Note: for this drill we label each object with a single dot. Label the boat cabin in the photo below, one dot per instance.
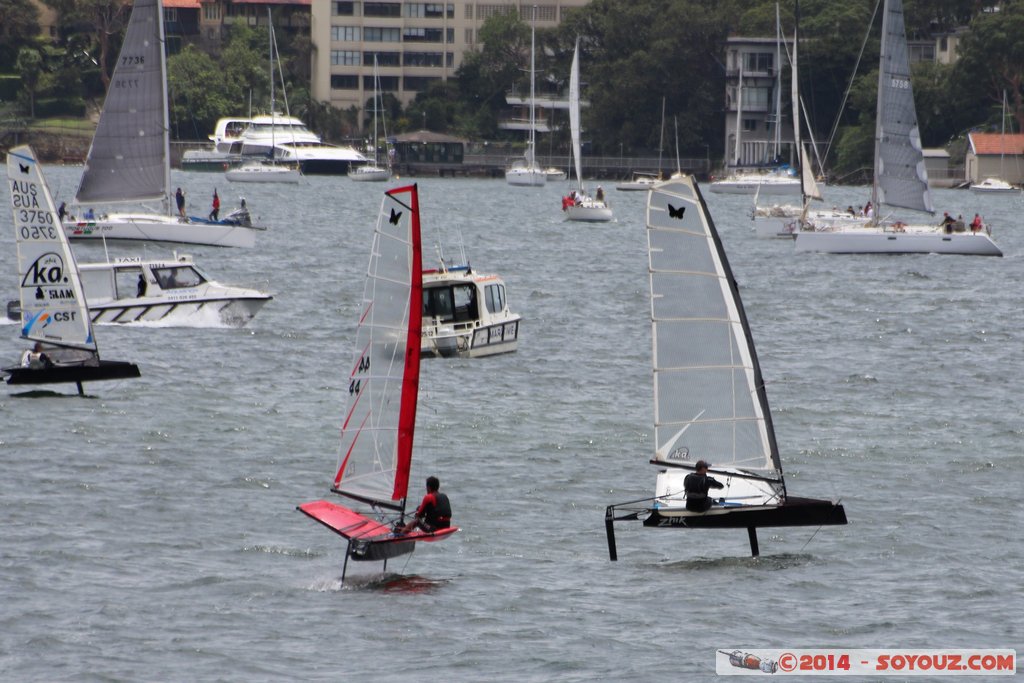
(466, 314)
(131, 278)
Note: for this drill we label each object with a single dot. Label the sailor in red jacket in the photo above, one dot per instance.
(435, 512)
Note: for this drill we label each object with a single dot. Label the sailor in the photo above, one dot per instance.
(696, 486)
(435, 512)
(36, 358)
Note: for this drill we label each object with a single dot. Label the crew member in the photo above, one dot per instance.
(696, 486)
(435, 512)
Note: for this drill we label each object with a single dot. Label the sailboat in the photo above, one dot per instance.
(55, 314)
(372, 172)
(579, 206)
(268, 170)
(643, 181)
(376, 451)
(710, 402)
(526, 171)
(997, 185)
(780, 180)
(900, 178)
(129, 159)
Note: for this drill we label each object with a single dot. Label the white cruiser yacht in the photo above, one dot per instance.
(172, 291)
(465, 314)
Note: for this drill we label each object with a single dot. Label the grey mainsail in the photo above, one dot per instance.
(128, 158)
(900, 175)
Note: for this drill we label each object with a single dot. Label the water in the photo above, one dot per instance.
(150, 530)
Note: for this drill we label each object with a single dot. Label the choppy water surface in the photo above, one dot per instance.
(150, 530)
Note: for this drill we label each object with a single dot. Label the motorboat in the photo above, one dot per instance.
(263, 172)
(173, 292)
(993, 186)
(640, 182)
(466, 314)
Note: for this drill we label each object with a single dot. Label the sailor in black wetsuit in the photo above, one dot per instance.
(696, 486)
(435, 512)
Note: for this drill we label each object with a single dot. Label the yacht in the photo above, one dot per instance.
(465, 314)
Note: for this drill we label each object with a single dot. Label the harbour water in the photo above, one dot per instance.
(150, 530)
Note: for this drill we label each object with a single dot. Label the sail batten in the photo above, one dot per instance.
(709, 396)
(132, 167)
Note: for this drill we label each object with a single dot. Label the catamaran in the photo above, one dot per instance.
(129, 159)
(710, 401)
(377, 431)
(900, 178)
(56, 317)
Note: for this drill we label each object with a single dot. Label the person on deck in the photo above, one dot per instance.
(976, 224)
(36, 358)
(215, 213)
(435, 512)
(62, 211)
(947, 222)
(696, 485)
(179, 198)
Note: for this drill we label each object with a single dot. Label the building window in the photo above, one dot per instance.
(760, 62)
(211, 12)
(469, 11)
(544, 13)
(488, 11)
(468, 39)
(943, 44)
(345, 58)
(419, 83)
(449, 34)
(383, 58)
(382, 35)
(429, 10)
(389, 83)
(422, 35)
(423, 59)
(344, 34)
(749, 125)
(756, 98)
(344, 9)
(343, 82)
(382, 9)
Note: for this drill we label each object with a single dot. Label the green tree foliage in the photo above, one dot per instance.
(198, 94)
(104, 20)
(19, 27)
(991, 61)
(30, 68)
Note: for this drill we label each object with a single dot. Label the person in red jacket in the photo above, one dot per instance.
(435, 512)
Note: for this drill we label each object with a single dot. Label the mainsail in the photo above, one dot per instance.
(574, 113)
(709, 398)
(900, 175)
(53, 304)
(128, 160)
(377, 432)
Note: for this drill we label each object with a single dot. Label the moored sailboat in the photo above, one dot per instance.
(376, 452)
(578, 205)
(55, 314)
(373, 171)
(526, 171)
(710, 402)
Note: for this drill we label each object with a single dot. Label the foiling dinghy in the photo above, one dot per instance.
(709, 398)
(377, 431)
(55, 313)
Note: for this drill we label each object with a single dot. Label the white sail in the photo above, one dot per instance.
(377, 431)
(574, 113)
(900, 175)
(129, 159)
(52, 301)
(709, 399)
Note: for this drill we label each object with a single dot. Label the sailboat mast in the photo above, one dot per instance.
(739, 116)
(661, 138)
(533, 31)
(778, 86)
(882, 72)
(273, 102)
(165, 109)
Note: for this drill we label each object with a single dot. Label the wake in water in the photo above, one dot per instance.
(762, 562)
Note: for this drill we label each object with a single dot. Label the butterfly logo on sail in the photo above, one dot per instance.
(395, 215)
(673, 212)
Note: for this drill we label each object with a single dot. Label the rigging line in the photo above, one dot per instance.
(840, 500)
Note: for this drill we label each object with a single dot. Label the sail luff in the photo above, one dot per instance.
(710, 401)
(411, 378)
(530, 154)
(128, 159)
(53, 305)
(900, 175)
(574, 113)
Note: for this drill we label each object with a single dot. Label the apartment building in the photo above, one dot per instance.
(416, 43)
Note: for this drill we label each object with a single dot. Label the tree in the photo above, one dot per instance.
(198, 96)
(104, 19)
(992, 60)
(19, 26)
(30, 67)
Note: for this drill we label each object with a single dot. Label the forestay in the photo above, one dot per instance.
(129, 157)
(901, 178)
(377, 432)
(709, 400)
(52, 300)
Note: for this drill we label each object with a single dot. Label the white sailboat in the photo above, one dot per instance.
(267, 170)
(526, 172)
(710, 402)
(900, 177)
(129, 159)
(373, 172)
(579, 206)
(376, 450)
(997, 185)
(55, 314)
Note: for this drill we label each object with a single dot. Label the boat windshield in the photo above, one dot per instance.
(178, 277)
(450, 304)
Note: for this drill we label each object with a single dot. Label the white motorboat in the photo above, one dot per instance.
(50, 292)
(466, 314)
(173, 292)
(580, 206)
(781, 181)
(993, 186)
(289, 140)
(373, 171)
(554, 174)
(263, 172)
(526, 172)
(640, 182)
(900, 178)
(129, 159)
